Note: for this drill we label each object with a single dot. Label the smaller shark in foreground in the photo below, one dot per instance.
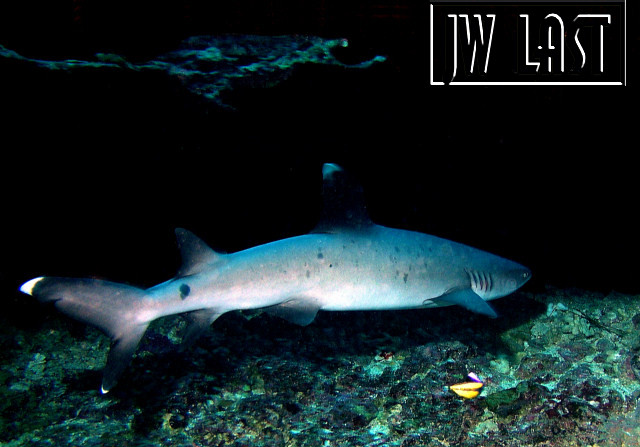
(346, 263)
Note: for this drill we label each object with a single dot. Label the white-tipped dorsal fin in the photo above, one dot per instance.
(343, 202)
(28, 286)
(196, 255)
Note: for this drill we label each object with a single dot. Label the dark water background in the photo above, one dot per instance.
(98, 167)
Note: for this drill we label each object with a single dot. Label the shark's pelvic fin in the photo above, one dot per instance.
(468, 299)
(297, 311)
(343, 202)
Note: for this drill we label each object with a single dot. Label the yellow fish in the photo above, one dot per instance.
(468, 390)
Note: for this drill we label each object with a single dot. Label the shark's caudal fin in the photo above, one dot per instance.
(124, 312)
(111, 307)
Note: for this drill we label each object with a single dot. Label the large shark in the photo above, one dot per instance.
(346, 263)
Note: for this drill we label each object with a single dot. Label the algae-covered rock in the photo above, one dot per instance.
(507, 401)
(208, 66)
(537, 364)
(259, 384)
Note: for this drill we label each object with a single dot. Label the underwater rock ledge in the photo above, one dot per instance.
(210, 65)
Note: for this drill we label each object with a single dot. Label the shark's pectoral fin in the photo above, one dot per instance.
(468, 299)
(198, 322)
(299, 311)
(120, 355)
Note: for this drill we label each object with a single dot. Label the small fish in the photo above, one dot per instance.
(468, 390)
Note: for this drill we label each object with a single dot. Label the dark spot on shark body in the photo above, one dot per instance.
(185, 290)
(320, 256)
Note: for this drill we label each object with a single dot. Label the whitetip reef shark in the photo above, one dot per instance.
(346, 263)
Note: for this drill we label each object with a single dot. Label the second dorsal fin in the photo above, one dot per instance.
(195, 254)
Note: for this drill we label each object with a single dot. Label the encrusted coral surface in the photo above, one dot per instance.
(560, 368)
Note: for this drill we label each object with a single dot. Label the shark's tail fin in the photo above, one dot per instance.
(111, 307)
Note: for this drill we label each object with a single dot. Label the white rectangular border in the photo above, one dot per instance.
(432, 82)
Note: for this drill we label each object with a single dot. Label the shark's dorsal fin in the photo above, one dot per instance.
(196, 255)
(343, 202)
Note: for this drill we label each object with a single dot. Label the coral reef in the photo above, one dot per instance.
(559, 368)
